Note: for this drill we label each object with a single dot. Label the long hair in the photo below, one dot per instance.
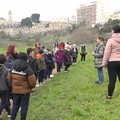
(10, 50)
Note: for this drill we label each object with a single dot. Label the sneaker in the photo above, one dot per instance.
(37, 85)
(97, 82)
(9, 116)
(51, 76)
(109, 97)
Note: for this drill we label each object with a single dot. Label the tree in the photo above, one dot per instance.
(35, 18)
(26, 22)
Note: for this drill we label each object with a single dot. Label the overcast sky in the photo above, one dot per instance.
(48, 9)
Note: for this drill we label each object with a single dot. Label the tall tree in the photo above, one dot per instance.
(26, 22)
(35, 18)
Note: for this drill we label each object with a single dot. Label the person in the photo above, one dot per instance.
(41, 67)
(4, 87)
(49, 64)
(111, 59)
(98, 57)
(11, 56)
(32, 61)
(67, 58)
(37, 48)
(23, 81)
(83, 52)
(59, 55)
(55, 47)
(74, 54)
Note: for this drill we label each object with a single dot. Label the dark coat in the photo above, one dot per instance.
(41, 64)
(49, 61)
(9, 61)
(74, 53)
(33, 64)
(4, 82)
(67, 58)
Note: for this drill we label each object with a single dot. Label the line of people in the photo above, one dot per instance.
(21, 72)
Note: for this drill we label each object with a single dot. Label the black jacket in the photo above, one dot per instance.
(4, 82)
(33, 65)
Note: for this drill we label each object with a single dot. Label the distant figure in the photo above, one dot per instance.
(111, 59)
(37, 48)
(98, 57)
(67, 58)
(74, 54)
(59, 55)
(56, 47)
(83, 52)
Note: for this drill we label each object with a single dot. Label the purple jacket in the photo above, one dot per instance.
(59, 56)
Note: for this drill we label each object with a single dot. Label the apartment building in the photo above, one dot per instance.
(93, 13)
(116, 15)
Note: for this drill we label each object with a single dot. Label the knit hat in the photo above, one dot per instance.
(61, 47)
(23, 56)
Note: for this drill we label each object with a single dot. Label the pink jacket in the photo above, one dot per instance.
(112, 49)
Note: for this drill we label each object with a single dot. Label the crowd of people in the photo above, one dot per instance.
(23, 71)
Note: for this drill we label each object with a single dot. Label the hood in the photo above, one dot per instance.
(20, 65)
(2, 68)
(116, 37)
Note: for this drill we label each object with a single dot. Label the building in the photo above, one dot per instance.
(9, 16)
(116, 15)
(93, 13)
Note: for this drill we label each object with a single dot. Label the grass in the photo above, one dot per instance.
(75, 96)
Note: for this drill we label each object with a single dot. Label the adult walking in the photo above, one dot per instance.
(111, 59)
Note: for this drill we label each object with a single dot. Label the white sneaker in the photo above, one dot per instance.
(51, 76)
(37, 85)
(9, 116)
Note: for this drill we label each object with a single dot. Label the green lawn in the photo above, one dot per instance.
(75, 96)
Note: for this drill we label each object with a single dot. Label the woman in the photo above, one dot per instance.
(37, 48)
(98, 56)
(74, 54)
(11, 56)
(111, 59)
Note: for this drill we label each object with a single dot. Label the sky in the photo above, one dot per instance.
(48, 9)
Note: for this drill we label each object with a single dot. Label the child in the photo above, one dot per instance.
(83, 52)
(41, 67)
(4, 87)
(98, 56)
(23, 81)
(59, 58)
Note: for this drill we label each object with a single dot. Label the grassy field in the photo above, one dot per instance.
(75, 96)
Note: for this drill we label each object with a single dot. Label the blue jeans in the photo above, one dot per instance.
(100, 75)
(20, 100)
